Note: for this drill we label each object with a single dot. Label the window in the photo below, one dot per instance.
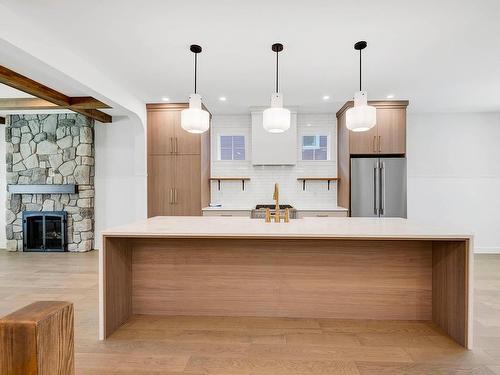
(315, 147)
(232, 147)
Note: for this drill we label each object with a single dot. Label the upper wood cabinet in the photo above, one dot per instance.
(391, 130)
(178, 164)
(364, 142)
(387, 137)
(161, 126)
(165, 134)
(186, 143)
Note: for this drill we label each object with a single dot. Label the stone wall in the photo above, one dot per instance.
(51, 149)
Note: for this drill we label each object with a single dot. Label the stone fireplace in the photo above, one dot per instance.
(50, 168)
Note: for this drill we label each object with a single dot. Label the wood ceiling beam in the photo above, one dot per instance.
(37, 103)
(29, 86)
(95, 114)
(22, 83)
(12, 104)
(87, 102)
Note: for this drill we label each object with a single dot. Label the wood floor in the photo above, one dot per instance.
(251, 346)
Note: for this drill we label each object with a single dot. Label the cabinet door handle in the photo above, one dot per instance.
(382, 188)
(379, 143)
(374, 142)
(322, 215)
(175, 196)
(176, 145)
(171, 192)
(375, 183)
(171, 145)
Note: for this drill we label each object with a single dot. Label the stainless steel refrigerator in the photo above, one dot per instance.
(378, 187)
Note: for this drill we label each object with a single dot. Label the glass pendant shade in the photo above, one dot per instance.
(276, 119)
(195, 119)
(362, 117)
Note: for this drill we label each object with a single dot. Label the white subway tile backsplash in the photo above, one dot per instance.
(261, 186)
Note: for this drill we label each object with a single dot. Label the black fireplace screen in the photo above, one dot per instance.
(44, 231)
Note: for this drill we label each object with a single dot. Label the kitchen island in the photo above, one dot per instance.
(340, 268)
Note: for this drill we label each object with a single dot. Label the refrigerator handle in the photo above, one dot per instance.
(382, 188)
(375, 180)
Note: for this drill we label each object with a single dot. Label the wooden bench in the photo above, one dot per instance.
(38, 340)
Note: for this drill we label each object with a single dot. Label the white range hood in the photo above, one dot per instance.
(273, 148)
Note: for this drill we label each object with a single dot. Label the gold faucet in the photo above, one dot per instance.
(287, 215)
(276, 197)
(276, 215)
(268, 215)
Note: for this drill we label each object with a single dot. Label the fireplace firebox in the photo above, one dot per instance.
(44, 231)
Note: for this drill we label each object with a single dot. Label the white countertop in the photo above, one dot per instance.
(348, 228)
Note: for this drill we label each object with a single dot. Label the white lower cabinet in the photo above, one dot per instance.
(300, 213)
(320, 213)
(221, 212)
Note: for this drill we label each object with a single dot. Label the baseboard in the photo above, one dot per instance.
(487, 250)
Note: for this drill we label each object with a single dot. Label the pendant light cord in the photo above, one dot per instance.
(277, 71)
(195, 70)
(360, 70)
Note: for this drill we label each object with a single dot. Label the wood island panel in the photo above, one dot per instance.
(117, 273)
(450, 288)
(283, 278)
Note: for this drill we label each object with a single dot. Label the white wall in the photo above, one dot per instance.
(454, 173)
(261, 186)
(120, 175)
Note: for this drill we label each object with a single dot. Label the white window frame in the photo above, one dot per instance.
(316, 134)
(219, 144)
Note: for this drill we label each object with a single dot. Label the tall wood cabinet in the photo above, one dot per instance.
(178, 164)
(387, 137)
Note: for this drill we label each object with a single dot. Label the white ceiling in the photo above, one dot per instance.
(441, 55)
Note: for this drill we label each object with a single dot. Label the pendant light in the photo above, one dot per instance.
(276, 119)
(195, 119)
(362, 117)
